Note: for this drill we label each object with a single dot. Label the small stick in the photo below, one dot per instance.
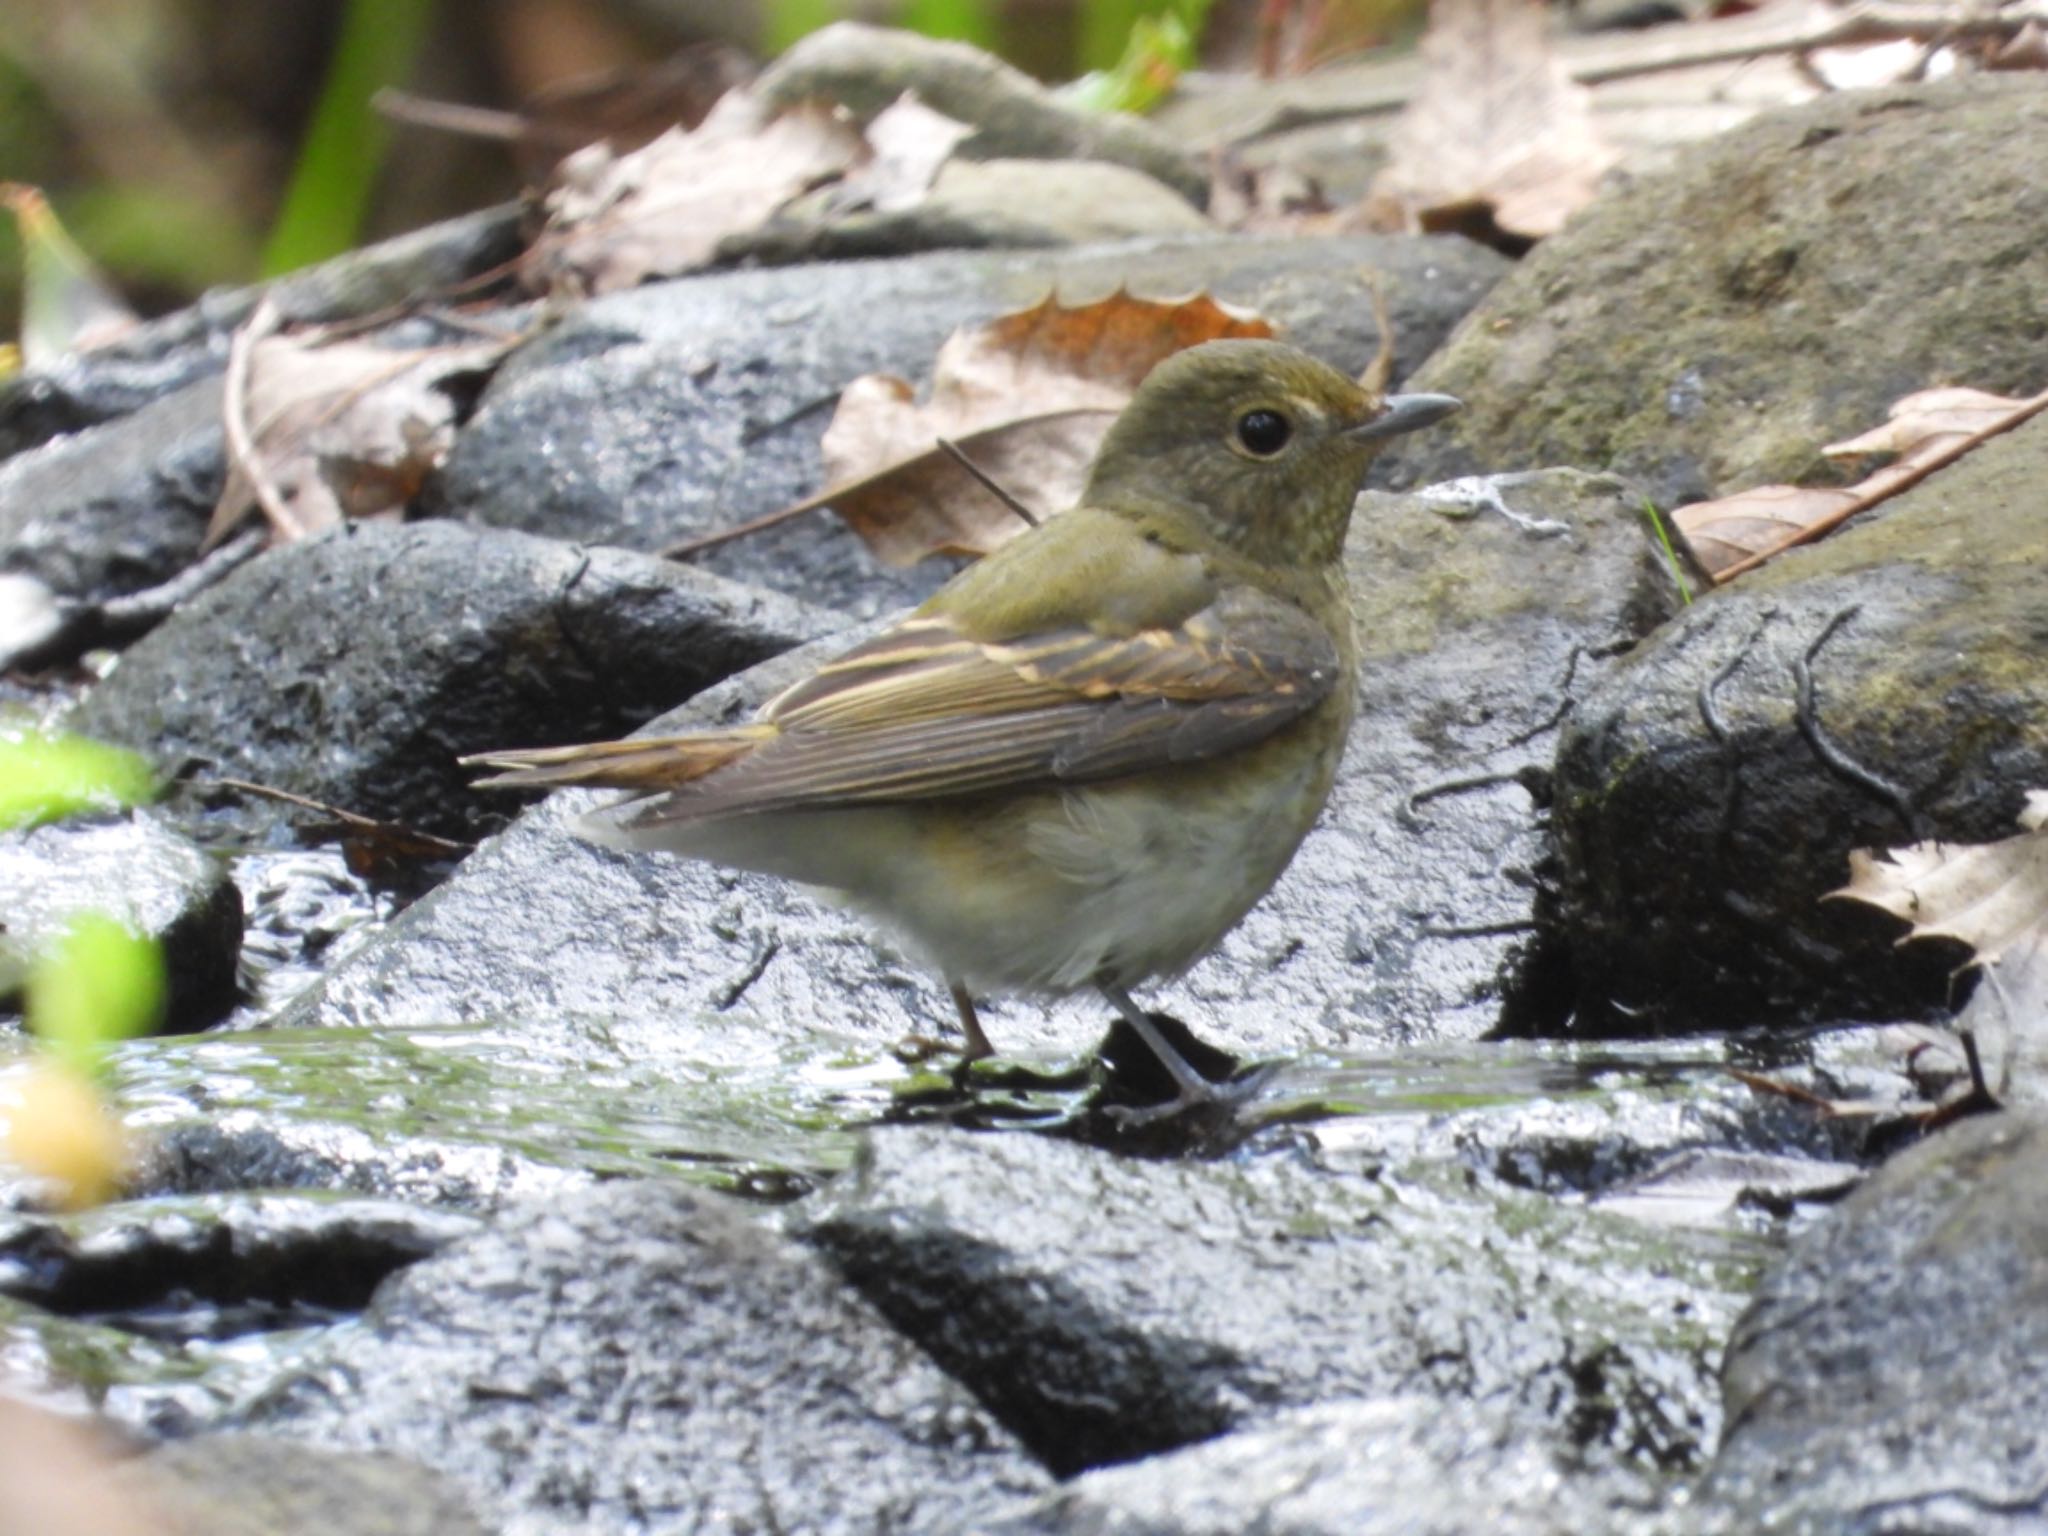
(234, 411)
(987, 481)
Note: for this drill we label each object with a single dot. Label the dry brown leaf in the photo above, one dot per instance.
(1268, 199)
(1991, 896)
(1028, 397)
(1928, 429)
(1926, 420)
(617, 220)
(909, 142)
(1497, 122)
(318, 433)
(1730, 529)
(2025, 49)
(1994, 898)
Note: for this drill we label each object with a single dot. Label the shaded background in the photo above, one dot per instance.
(187, 143)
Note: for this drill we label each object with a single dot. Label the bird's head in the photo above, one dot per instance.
(1260, 443)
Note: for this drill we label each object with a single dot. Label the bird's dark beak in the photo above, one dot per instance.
(1408, 413)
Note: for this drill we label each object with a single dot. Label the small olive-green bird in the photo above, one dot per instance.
(1086, 757)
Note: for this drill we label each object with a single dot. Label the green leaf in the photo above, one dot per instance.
(98, 984)
(47, 778)
(1155, 51)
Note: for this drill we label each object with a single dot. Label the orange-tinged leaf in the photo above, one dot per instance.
(1733, 528)
(1027, 396)
(1497, 123)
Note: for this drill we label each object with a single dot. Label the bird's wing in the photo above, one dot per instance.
(925, 709)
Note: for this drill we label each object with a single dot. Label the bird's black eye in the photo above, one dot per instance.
(1264, 433)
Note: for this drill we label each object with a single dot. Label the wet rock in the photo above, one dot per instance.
(1702, 813)
(120, 506)
(1395, 1466)
(866, 68)
(1892, 1372)
(687, 407)
(647, 1358)
(214, 1268)
(1107, 1309)
(276, 1150)
(250, 1485)
(355, 668)
(1393, 923)
(166, 355)
(976, 204)
(1709, 328)
(136, 869)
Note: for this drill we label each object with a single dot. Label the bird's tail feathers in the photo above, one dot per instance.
(648, 764)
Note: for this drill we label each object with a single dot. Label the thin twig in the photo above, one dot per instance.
(1379, 373)
(1883, 486)
(683, 548)
(355, 821)
(986, 481)
(234, 411)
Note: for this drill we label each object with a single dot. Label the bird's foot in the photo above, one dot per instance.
(1208, 1107)
(1150, 1055)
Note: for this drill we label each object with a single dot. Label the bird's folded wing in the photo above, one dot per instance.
(925, 710)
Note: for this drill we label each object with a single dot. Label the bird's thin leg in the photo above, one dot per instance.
(978, 1047)
(1194, 1088)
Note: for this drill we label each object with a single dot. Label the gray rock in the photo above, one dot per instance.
(355, 668)
(168, 354)
(978, 204)
(117, 507)
(136, 869)
(1107, 1309)
(1709, 328)
(866, 68)
(687, 407)
(1395, 1466)
(251, 1485)
(1892, 1373)
(643, 1358)
(1694, 854)
(1392, 923)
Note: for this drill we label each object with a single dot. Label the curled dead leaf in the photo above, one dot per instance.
(1027, 397)
(319, 431)
(1991, 896)
(1928, 419)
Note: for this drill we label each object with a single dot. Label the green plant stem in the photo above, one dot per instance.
(344, 145)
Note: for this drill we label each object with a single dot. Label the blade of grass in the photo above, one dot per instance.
(345, 141)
